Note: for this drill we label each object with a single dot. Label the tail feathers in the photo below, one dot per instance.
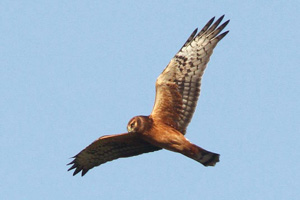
(206, 158)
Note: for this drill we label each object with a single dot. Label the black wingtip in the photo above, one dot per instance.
(190, 38)
(222, 35)
(195, 31)
(77, 170)
(220, 18)
(76, 167)
(84, 171)
(225, 23)
(73, 166)
(210, 21)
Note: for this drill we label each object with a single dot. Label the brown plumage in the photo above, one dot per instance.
(177, 92)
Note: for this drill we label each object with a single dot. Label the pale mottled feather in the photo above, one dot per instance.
(178, 86)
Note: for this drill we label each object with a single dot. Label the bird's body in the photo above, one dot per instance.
(177, 92)
(163, 136)
(166, 137)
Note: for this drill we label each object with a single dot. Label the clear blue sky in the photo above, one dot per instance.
(72, 72)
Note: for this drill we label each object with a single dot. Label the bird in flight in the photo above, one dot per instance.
(177, 92)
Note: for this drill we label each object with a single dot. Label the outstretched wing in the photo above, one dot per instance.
(178, 86)
(108, 148)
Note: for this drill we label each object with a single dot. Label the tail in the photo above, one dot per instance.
(204, 157)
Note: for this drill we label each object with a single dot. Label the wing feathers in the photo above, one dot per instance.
(190, 38)
(108, 148)
(218, 30)
(204, 29)
(178, 86)
(213, 27)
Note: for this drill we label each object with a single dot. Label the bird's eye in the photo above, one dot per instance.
(132, 125)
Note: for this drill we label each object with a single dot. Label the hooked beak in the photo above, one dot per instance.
(129, 129)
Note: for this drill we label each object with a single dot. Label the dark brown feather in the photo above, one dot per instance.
(108, 148)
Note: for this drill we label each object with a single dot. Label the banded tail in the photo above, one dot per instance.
(203, 156)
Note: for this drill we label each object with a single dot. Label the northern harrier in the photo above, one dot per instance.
(177, 92)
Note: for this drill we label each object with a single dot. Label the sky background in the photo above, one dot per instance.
(72, 72)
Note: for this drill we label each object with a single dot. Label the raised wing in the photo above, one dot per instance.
(108, 148)
(178, 86)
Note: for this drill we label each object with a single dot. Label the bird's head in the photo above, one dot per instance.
(138, 124)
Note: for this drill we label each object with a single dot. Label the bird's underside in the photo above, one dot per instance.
(177, 92)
